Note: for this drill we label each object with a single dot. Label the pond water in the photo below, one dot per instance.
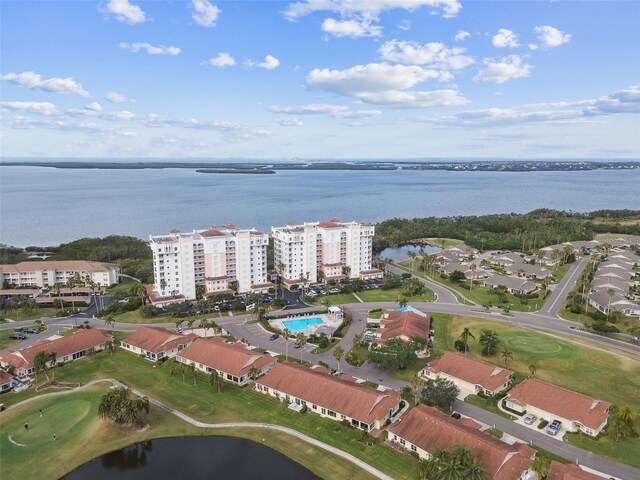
(193, 458)
(400, 253)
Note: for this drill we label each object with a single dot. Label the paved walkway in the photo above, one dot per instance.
(251, 425)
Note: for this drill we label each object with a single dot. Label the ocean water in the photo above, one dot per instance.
(47, 206)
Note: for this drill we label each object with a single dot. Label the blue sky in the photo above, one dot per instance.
(320, 79)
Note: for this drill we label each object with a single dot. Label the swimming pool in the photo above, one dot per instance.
(301, 324)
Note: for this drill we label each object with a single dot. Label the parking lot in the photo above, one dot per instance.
(260, 334)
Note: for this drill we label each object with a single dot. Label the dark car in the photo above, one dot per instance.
(456, 415)
(18, 336)
(32, 330)
(274, 336)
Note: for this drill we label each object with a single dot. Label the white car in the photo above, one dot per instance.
(334, 290)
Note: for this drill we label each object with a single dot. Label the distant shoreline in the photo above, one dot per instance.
(271, 168)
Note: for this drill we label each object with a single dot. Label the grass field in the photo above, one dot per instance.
(74, 420)
(604, 376)
(442, 242)
(136, 316)
(335, 299)
(5, 341)
(232, 404)
(123, 287)
(42, 312)
(379, 295)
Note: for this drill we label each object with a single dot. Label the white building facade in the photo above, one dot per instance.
(45, 274)
(329, 250)
(212, 258)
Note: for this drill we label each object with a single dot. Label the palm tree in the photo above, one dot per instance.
(624, 422)
(301, 339)
(109, 322)
(473, 268)
(412, 255)
(506, 356)
(416, 381)
(254, 373)
(192, 367)
(402, 302)
(338, 352)
(286, 335)
(540, 466)
(163, 285)
(41, 362)
(464, 336)
(206, 325)
(190, 323)
(533, 369)
(216, 380)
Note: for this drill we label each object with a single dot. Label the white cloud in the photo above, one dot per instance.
(551, 37)
(533, 46)
(124, 11)
(151, 49)
(41, 108)
(461, 36)
(433, 54)
(289, 122)
(370, 8)
(94, 106)
(351, 28)
(503, 70)
(336, 111)
(115, 97)
(205, 13)
(33, 80)
(384, 84)
(505, 39)
(404, 25)
(270, 62)
(222, 60)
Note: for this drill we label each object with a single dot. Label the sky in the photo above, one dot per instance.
(326, 79)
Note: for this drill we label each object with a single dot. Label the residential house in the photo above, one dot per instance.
(470, 375)
(67, 349)
(156, 343)
(507, 259)
(233, 362)
(576, 411)
(6, 381)
(330, 396)
(527, 270)
(561, 471)
(424, 429)
(601, 300)
(403, 324)
(512, 284)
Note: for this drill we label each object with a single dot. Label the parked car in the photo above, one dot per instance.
(529, 419)
(456, 415)
(18, 336)
(32, 330)
(554, 427)
(274, 336)
(334, 290)
(251, 306)
(297, 344)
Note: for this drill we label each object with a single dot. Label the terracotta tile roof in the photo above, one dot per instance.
(470, 370)
(559, 471)
(174, 230)
(63, 346)
(341, 396)
(59, 265)
(221, 277)
(329, 224)
(262, 285)
(212, 232)
(157, 340)
(406, 324)
(373, 270)
(335, 264)
(559, 401)
(154, 297)
(5, 377)
(427, 428)
(235, 358)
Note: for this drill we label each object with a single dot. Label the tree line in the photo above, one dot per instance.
(511, 231)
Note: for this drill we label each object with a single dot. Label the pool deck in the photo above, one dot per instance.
(328, 320)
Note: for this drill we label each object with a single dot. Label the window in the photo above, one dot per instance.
(414, 448)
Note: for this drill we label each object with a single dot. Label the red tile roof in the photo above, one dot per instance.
(329, 224)
(559, 471)
(427, 428)
(157, 340)
(559, 401)
(63, 346)
(405, 324)
(60, 265)
(470, 370)
(5, 377)
(212, 232)
(235, 358)
(341, 396)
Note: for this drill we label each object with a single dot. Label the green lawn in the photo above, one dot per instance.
(335, 299)
(123, 287)
(487, 405)
(42, 312)
(604, 376)
(5, 341)
(443, 242)
(394, 295)
(74, 420)
(232, 404)
(136, 316)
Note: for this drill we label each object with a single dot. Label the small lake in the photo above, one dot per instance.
(402, 252)
(193, 458)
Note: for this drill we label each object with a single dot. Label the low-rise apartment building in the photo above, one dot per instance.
(156, 343)
(233, 362)
(44, 274)
(424, 429)
(550, 402)
(329, 396)
(470, 375)
(67, 349)
(329, 250)
(216, 260)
